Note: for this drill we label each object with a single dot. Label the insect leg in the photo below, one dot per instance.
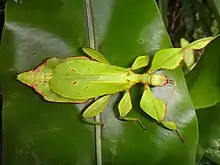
(172, 126)
(96, 108)
(95, 55)
(140, 62)
(125, 107)
(156, 108)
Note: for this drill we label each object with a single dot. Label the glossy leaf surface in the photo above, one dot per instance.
(203, 81)
(140, 37)
(36, 131)
(204, 87)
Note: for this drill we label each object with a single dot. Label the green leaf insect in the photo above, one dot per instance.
(78, 79)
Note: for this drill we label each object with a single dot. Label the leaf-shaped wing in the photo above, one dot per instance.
(84, 79)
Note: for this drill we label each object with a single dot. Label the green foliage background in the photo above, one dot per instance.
(39, 132)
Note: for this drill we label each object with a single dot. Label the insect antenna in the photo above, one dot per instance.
(170, 82)
(167, 81)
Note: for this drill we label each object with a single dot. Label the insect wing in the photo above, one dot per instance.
(84, 79)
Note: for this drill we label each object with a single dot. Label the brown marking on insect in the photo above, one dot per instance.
(132, 85)
(34, 86)
(37, 70)
(73, 70)
(167, 81)
(27, 84)
(131, 69)
(45, 79)
(171, 82)
(40, 92)
(74, 82)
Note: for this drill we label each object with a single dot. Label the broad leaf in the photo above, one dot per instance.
(200, 43)
(203, 81)
(189, 58)
(40, 132)
(204, 87)
(209, 121)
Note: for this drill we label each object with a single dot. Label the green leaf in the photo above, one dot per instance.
(171, 58)
(189, 58)
(214, 6)
(209, 121)
(120, 47)
(36, 131)
(203, 81)
(201, 43)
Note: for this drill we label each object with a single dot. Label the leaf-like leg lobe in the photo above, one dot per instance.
(97, 107)
(172, 126)
(125, 107)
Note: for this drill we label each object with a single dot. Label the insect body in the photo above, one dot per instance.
(78, 79)
(81, 82)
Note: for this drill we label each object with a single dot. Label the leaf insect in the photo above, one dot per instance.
(78, 79)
